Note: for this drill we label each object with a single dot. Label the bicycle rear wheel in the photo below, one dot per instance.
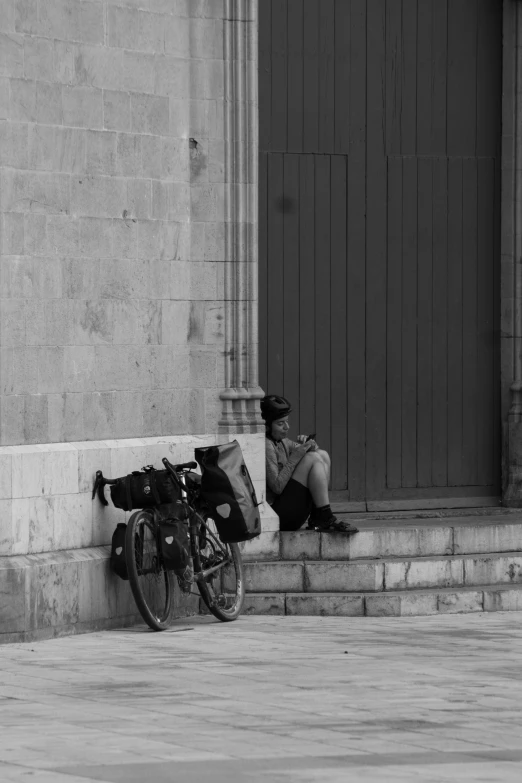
(152, 586)
(223, 591)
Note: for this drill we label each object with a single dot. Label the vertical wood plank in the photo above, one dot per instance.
(295, 75)
(263, 270)
(322, 299)
(307, 314)
(342, 76)
(338, 372)
(439, 71)
(489, 77)
(486, 328)
(311, 75)
(275, 277)
(470, 417)
(425, 322)
(455, 322)
(424, 76)
(394, 323)
(409, 322)
(265, 74)
(327, 75)
(462, 74)
(375, 250)
(290, 336)
(409, 78)
(279, 86)
(356, 271)
(393, 76)
(497, 426)
(439, 468)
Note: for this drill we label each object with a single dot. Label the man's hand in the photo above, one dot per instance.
(303, 447)
(302, 439)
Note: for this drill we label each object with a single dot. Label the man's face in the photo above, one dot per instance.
(280, 428)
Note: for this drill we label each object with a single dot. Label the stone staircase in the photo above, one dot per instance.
(397, 566)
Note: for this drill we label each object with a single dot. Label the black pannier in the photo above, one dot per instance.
(118, 561)
(174, 542)
(228, 489)
(144, 489)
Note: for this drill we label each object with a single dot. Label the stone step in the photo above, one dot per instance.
(426, 538)
(481, 598)
(385, 575)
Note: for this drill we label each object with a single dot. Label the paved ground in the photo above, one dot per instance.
(271, 699)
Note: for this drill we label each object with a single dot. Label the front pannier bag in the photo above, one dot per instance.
(228, 489)
(144, 489)
(118, 561)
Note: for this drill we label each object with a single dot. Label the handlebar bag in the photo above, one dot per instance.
(228, 489)
(144, 489)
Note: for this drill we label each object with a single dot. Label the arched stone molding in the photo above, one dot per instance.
(240, 412)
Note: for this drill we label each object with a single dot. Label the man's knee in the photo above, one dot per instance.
(323, 455)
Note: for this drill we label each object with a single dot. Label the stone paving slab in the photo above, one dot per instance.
(268, 700)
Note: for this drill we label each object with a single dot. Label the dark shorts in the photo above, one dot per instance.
(293, 506)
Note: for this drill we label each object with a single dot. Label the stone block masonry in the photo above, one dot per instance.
(112, 166)
(118, 199)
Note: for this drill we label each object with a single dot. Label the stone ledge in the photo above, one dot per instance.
(74, 591)
(485, 598)
(384, 575)
(440, 539)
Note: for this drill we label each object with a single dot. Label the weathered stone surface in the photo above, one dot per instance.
(408, 574)
(301, 545)
(471, 539)
(12, 598)
(335, 605)
(493, 569)
(382, 605)
(343, 577)
(503, 600)
(264, 547)
(274, 577)
(264, 604)
(462, 601)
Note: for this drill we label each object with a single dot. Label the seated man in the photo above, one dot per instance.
(297, 474)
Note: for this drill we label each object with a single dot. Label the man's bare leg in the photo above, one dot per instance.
(325, 457)
(312, 472)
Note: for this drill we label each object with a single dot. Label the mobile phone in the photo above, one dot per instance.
(310, 437)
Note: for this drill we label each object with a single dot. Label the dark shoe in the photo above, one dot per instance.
(330, 524)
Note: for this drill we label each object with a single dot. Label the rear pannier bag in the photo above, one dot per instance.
(144, 488)
(228, 489)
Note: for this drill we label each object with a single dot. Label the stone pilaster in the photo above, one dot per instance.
(511, 251)
(241, 396)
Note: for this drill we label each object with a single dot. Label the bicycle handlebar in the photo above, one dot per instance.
(100, 480)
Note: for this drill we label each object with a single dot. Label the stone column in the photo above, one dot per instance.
(240, 412)
(511, 250)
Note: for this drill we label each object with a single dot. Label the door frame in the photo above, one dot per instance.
(510, 327)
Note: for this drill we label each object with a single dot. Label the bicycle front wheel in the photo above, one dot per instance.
(152, 586)
(223, 590)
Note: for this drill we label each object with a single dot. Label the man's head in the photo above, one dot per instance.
(274, 411)
(279, 428)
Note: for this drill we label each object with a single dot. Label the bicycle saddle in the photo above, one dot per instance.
(185, 466)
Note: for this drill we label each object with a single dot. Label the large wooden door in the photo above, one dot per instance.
(379, 237)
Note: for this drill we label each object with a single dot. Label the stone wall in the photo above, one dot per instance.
(128, 265)
(112, 210)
